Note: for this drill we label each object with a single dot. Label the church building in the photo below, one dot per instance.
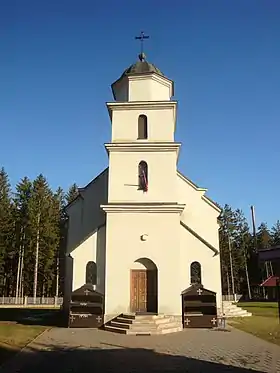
(141, 232)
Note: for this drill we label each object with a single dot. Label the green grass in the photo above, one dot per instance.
(266, 309)
(17, 335)
(264, 322)
(13, 337)
(18, 327)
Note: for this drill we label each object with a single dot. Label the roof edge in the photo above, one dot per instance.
(201, 239)
(196, 187)
(80, 190)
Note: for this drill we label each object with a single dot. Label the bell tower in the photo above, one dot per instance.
(142, 153)
(142, 188)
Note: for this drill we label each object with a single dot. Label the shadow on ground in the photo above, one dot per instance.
(112, 358)
(33, 316)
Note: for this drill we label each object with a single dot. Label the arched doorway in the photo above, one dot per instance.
(144, 287)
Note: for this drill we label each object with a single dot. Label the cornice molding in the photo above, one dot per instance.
(145, 105)
(142, 208)
(143, 146)
(203, 190)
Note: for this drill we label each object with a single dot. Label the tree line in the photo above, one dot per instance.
(32, 237)
(33, 228)
(242, 273)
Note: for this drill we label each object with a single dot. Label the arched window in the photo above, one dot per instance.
(143, 176)
(195, 273)
(91, 273)
(142, 127)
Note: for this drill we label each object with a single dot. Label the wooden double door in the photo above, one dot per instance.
(143, 291)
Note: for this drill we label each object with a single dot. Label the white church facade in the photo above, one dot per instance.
(141, 231)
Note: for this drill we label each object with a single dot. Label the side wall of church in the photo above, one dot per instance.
(85, 214)
(124, 247)
(86, 232)
(192, 250)
(202, 218)
(198, 214)
(92, 249)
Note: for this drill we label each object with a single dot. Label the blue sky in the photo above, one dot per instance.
(58, 59)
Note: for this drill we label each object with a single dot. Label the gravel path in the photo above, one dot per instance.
(192, 351)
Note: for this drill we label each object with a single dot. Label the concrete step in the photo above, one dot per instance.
(124, 320)
(114, 329)
(155, 332)
(153, 327)
(236, 312)
(230, 310)
(170, 325)
(117, 324)
(248, 314)
(162, 320)
(143, 324)
(233, 308)
(148, 317)
(171, 330)
(143, 328)
(130, 316)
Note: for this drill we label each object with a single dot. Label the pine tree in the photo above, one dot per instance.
(72, 193)
(235, 248)
(275, 234)
(264, 240)
(59, 199)
(241, 253)
(7, 231)
(41, 232)
(21, 202)
(226, 233)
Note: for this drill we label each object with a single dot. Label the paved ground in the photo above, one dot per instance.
(85, 350)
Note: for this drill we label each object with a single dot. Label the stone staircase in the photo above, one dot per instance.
(232, 310)
(144, 324)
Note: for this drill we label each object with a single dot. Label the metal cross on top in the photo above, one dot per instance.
(141, 38)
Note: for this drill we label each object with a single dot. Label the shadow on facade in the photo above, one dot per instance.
(110, 359)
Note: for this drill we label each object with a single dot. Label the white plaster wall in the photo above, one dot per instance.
(92, 249)
(162, 176)
(161, 124)
(149, 88)
(191, 249)
(85, 214)
(75, 215)
(198, 214)
(86, 237)
(101, 259)
(124, 247)
(84, 253)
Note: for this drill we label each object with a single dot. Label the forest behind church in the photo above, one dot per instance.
(33, 227)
